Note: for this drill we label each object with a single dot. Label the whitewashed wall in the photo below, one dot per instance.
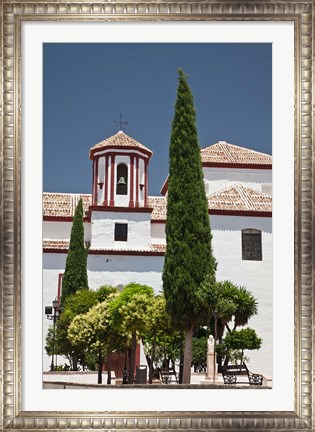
(219, 178)
(158, 235)
(62, 230)
(103, 226)
(254, 275)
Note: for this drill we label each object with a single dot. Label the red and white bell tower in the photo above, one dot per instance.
(120, 172)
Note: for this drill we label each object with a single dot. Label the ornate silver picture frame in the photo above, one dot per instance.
(13, 14)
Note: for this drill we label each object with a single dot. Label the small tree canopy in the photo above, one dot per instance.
(244, 339)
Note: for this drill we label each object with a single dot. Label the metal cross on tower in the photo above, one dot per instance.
(120, 121)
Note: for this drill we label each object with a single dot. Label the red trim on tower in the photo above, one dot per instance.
(145, 182)
(93, 181)
(106, 181)
(137, 181)
(112, 179)
(96, 180)
(121, 209)
(117, 147)
(131, 199)
(95, 174)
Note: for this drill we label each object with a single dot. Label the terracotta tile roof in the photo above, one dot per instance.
(158, 247)
(120, 139)
(64, 204)
(61, 244)
(55, 244)
(159, 207)
(240, 198)
(225, 153)
(234, 198)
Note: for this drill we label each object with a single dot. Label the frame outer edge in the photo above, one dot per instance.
(10, 216)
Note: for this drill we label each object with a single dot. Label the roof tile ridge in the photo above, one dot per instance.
(219, 192)
(227, 152)
(243, 191)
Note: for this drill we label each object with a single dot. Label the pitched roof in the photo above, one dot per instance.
(240, 198)
(119, 140)
(63, 245)
(233, 198)
(225, 153)
(64, 204)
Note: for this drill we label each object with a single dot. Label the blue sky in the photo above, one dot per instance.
(86, 86)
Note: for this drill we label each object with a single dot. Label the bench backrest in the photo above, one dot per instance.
(234, 370)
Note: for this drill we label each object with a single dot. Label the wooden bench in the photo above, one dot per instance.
(168, 376)
(231, 372)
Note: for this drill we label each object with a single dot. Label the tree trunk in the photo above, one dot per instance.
(74, 362)
(187, 356)
(100, 366)
(133, 357)
(152, 359)
(109, 372)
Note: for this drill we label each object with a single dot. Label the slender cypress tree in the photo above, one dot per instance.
(75, 276)
(188, 256)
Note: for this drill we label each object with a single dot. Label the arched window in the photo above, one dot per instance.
(251, 245)
(122, 179)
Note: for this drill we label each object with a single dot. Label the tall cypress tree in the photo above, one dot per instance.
(75, 276)
(188, 255)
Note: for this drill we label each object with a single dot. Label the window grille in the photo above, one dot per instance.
(251, 245)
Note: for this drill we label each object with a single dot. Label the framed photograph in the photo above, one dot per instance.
(53, 59)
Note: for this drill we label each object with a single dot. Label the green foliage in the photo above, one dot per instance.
(188, 256)
(235, 342)
(243, 339)
(130, 315)
(199, 352)
(75, 304)
(129, 309)
(228, 301)
(94, 329)
(75, 276)
(104, 291)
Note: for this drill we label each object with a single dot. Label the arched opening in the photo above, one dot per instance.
(122, 179)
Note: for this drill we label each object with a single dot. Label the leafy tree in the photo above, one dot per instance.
(157, 330)
(94, 331)
(227, 303)
(74, 305)
(188, 255)
(75, 276)
(130, 312)
(236, 341)
(199, 353)
(58, 341)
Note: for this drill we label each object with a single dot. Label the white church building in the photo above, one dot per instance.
(125, 227)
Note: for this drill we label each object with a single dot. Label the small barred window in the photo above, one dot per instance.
(121, 232)
(251, 245)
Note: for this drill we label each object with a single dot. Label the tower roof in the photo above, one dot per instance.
(223, 153)
(119, 141)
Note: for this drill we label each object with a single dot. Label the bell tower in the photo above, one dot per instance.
(120, 172)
